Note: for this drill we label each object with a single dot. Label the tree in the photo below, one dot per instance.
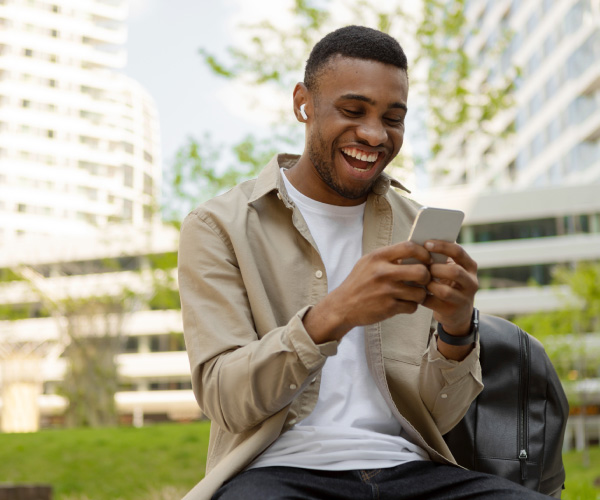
(274, 56)
(563, 331)
(90, 322)
(94, 331)
(581, 312)
(198, 174)
(91, 330)
(459, 93)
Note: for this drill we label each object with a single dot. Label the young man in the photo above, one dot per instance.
(310, 352)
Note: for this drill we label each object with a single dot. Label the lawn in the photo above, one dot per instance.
(159, 462)
(580, 479)
(121, 463)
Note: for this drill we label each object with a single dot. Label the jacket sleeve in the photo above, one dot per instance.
(239, 379)
(449, 387)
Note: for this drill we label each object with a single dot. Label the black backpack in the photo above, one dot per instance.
(515, 427)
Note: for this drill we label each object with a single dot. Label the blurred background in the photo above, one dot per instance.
(118, 117)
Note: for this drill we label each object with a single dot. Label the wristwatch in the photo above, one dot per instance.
(461, 340)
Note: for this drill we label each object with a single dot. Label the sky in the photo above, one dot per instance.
(163, 42)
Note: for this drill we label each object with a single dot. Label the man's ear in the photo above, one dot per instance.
(302, 103)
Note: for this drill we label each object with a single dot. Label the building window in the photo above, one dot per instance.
(28, 53)
(517, 276)
(127, 210)
(148, 213)
(127, 176)
(148, 184)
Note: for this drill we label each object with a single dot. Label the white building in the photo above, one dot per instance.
(79, 142)
(532, 199)
(80, 177)
(153, 365)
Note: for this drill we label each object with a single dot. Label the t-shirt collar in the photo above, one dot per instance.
(270, 179)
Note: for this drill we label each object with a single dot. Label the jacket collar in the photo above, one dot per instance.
(270, 179)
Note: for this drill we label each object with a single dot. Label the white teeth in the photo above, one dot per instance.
(360, 155)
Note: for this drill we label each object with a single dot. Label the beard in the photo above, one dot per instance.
(325, 166)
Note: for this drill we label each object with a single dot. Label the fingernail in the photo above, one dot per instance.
(429, 245)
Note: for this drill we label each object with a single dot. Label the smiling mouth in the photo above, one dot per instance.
(359, 160)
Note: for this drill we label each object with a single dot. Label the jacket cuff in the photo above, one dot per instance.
(310, 354)
(452, 370)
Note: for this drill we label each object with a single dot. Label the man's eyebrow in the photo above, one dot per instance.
(368, 100)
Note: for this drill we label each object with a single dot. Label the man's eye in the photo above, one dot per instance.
(395, 121)
(351, 112)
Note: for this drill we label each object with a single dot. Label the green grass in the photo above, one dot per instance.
(159, 462)
(581, 479)
(122, 463)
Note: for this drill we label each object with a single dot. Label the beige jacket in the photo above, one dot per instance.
(248, 272)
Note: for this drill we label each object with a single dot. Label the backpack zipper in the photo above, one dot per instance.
(523, 406)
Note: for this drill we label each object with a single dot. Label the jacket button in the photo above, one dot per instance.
(444, 396)
(293, 386)
(319, 274)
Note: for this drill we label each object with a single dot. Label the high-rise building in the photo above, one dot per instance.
(530, 186)
(79, 142)
(80, 175)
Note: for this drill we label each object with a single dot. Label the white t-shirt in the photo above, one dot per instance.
(351, 426)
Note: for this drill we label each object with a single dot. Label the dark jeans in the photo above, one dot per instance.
(412, 481)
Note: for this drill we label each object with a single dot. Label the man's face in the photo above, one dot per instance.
(357, 128)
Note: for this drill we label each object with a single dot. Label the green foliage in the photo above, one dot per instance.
(109, 463)
(13, 312)
(273, 54)
(562, 331)
(165, 295)
(163, 261)
(7, 275)
(112, 264)
(197, 174)
(451, 99)
(583, 316)
(94, 331)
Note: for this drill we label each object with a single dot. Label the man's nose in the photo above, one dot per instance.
(373, 132)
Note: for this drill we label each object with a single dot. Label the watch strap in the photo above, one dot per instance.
(464, 339)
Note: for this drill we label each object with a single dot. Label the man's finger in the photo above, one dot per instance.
(454, 251)
(403, 251)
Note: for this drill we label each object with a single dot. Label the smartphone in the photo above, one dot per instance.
(435, 224)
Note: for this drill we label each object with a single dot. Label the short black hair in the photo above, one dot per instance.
(353, 41)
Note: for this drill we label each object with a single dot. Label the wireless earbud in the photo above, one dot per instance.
(302, 112)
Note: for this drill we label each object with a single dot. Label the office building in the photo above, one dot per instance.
(530, 186)
(79, 142)
(80, 177)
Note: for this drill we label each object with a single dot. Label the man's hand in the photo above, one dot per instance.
(374, 290)
(452, 288)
